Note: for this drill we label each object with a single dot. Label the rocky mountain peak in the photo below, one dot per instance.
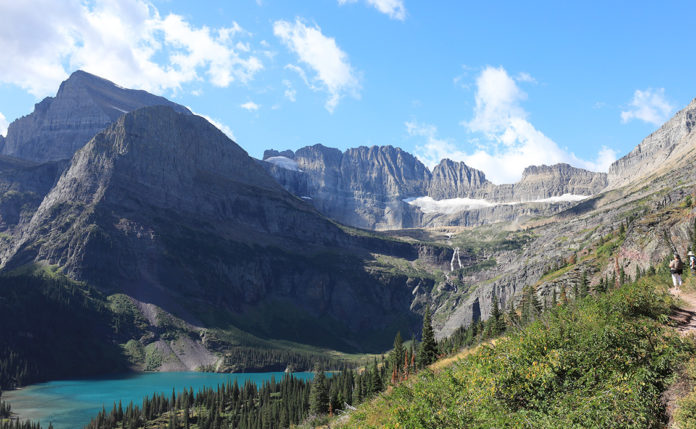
(545, 181)
(272, 153)
(452, 179)
(660, 150)
(84, 105)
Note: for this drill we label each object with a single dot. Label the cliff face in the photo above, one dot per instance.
(23, 185)
(543, 182)
(659, 151)
(362, 187)
(366, 187)
(84, 105)
(456, 180)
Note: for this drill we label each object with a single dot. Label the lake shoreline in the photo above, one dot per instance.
(73, 403)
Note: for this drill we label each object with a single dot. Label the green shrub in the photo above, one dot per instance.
(601, 362)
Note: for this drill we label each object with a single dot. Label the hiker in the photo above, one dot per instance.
(676, 267)
(692, 261)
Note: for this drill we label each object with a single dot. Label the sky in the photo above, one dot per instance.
(499, 85)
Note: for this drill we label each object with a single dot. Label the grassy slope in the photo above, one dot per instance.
(601, 362)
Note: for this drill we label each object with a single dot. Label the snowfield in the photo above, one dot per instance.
(454, 205)
(283, 162)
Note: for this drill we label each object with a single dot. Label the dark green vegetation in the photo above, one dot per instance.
(601, 361)
(273, 405)
(45, 320)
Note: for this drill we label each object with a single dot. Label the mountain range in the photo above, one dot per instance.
(380, 187)
(198, 253)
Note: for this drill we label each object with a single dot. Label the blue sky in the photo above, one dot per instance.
(499, 85)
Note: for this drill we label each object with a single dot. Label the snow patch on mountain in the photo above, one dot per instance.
(448, 206)
(455, 205)
(283, 162)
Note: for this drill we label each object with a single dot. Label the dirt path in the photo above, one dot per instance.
(684, 317)
(685, 314)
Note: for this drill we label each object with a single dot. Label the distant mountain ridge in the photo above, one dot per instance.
(366, 186)
(84, 105)
(659, 151)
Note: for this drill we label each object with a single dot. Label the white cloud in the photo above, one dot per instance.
(505, 141)
(332, 70)
(290, 92)
(525, 77)
(124, 41)
(394, 8)
(250, 106)
(3, 125)
(649, 106)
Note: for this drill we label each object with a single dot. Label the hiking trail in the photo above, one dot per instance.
(685, 314)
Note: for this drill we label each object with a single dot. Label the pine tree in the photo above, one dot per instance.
(318, 395)
(584, 285)
(375, 380)
(427, 353)
(398, 352)
(513, 320)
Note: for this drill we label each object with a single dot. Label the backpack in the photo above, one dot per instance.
(680, 266)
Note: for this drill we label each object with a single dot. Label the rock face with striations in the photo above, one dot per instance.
(452, 179)
(163, 207)
(363, 187)
(84, 105)
(658, 151)
(366, 187)
(546, 181)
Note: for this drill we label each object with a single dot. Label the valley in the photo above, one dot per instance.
(159, 245)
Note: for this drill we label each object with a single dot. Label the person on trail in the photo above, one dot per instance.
(676, 267)
(692, 261)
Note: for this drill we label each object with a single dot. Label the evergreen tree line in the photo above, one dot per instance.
(16, 424)
(43, 322)
(250, 359)
(272, 405)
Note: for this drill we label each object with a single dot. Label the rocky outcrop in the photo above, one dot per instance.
(659, 151)
(23, 185)
(84, 105)
(544, 181)
(271, 153)
(452, 179)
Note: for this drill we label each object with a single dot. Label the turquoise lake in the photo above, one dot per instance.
(72, 404)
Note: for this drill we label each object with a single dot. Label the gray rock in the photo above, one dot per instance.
(452, 179)
(272, 152)
(366, 187)
(659, 152)
(84, 105)
(541, 182)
